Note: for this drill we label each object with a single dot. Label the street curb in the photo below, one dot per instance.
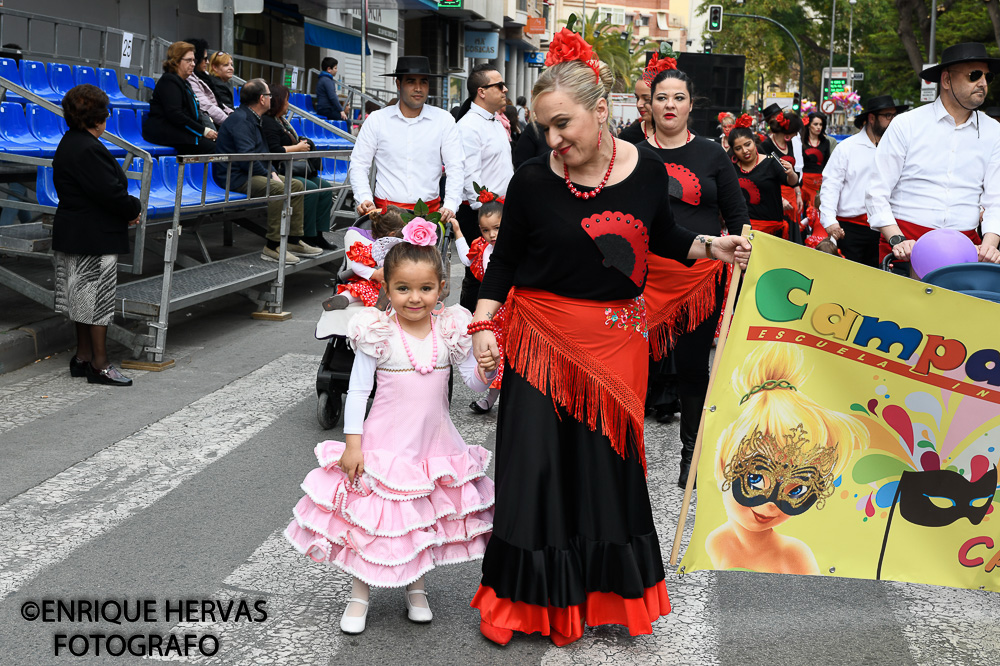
(25, 345)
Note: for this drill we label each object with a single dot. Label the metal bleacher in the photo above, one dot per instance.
(178, 194)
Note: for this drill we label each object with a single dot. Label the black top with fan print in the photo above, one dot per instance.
(761, 188)
(583, 248)
(703, 185)
(768, 146)
(814, 158)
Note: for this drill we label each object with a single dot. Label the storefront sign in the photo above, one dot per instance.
(481, 44)
(535, 58)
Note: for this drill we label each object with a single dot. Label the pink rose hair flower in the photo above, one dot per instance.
(420, 232)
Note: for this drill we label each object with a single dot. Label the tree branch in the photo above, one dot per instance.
(906, 35)
(993, 8)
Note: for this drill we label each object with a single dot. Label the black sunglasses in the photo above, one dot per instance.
(499, 85)
(977, 74)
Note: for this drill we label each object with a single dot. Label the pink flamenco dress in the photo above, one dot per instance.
(424, 498)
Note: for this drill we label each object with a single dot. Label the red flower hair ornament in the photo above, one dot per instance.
(655, 66)
(744, 121)
(782, 120)
(485, 196)
(566, 46)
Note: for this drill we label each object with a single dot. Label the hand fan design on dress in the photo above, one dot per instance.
(816, 153)
(684, 185)
(622, 240)
(750, 191)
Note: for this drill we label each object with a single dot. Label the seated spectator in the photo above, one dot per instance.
(89, 231)
(222, 72)
(281, 138)
(241, 134)
(174, 117)
(201, 84)
(327, 102)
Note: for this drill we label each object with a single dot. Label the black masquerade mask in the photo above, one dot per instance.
(791, 474)
(936, 498)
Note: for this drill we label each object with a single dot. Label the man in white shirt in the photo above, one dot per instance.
(408, 143)
(938, 164)
(488, 160)
(845, 180)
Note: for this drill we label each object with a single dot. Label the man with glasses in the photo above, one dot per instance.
(488, 161)
(241, 134)
(846, 177)
(937, 164)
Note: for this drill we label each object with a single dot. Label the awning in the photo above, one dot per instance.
(328, 36)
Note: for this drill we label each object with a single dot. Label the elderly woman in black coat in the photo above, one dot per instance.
(174, 118)
(89, 231)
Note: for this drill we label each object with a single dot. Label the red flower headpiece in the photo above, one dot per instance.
(655, 66)
(744, 121)
(723, 115)
(485, 196)
(782, 120)
(566, 46)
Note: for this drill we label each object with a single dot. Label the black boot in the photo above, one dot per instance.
(691, 406)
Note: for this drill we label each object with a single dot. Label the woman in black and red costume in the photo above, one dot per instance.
(761, 178)
(684, 303)
(816, 148)
(573, 538)
(784, 129)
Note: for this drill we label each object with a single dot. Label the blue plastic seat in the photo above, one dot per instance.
(335, 170)
(15, 137)
(85, 74)
(157, 204)
(45, 187)
(193, 175)
(61, 78)
(47, 127)
(108, 79)
(307, 102)
(168, 174)
(9, 70)
(148, 82)
(36, 79)
(126, 125)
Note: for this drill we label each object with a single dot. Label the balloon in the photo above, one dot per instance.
(940, 248)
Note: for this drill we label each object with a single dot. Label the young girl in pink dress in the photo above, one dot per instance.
(477, 257)
(404, 493)
(367, 280)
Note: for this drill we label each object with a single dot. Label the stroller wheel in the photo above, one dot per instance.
(329, 409)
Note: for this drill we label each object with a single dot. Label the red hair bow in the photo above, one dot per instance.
(566, 46)
(744, 121)
(655, 66)
(782, 120)
(485, 196)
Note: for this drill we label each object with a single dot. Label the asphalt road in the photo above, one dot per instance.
(179, 488)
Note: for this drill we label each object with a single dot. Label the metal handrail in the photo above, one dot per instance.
(351, 90)
(302, 113)
(102, 30)
(144, 177)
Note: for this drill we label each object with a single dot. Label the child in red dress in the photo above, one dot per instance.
(367, 280)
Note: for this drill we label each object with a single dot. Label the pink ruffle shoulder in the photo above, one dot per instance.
(424, 498)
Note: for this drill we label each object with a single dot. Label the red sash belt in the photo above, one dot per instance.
(777, 228)
(590, 357)
(678, 298)
(914, 231)
(434, 204)
(861, 220)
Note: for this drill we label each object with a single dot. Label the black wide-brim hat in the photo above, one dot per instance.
(414, 65)
(771, 111)
(965, 52)
(876, 104)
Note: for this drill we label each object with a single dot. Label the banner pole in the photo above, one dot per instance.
(727, 316)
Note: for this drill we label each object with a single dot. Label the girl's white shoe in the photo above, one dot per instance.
(420, 614)
(354, 625)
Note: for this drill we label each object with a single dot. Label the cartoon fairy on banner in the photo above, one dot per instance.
(847, 434)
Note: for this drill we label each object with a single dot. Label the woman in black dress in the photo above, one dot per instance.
(761, 178)
(816, 147)
(573, 538)
(89, 231)
(174, 118)
(784, 128)
(684, 303)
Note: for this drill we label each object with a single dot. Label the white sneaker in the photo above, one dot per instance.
(272, 255)
(303, 249)
(354, 625)
(419, 614)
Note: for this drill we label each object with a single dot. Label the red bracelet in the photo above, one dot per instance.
(484, 325)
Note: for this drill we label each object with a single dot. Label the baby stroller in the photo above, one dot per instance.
(334, 375)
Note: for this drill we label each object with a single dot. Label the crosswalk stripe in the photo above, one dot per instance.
(304, 602)
(45, 524)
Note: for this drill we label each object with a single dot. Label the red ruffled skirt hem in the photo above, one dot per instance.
(600, 608)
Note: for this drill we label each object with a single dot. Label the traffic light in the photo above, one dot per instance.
(708, 44)
(715, 18)
(797, 102)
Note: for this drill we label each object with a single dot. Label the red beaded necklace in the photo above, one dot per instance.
(686, 141)
(597, 190)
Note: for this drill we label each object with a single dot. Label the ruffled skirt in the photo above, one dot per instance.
(401, 520)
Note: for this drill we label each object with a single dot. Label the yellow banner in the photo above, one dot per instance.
(853, 428)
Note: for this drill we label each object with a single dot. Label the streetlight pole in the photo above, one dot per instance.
(850, 35)
(833, 27)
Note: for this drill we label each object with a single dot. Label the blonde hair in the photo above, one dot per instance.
(389, 223)
(778, 410)
(576, 78)
(175, 52)
(219, 59)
